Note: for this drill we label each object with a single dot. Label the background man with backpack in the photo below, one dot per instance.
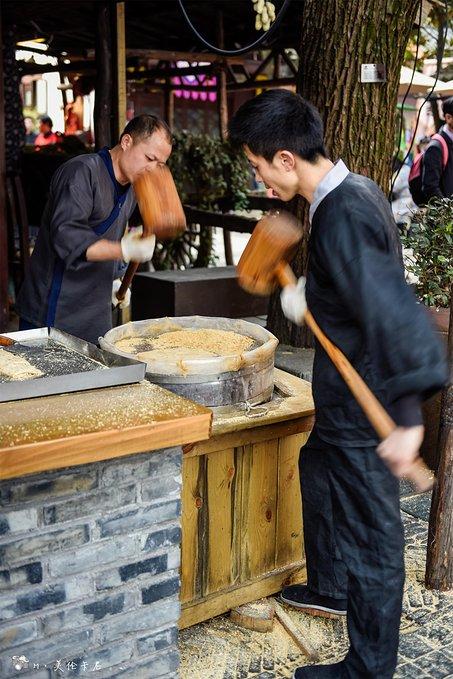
(437, 161)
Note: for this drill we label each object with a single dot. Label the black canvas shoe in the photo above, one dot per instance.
(301, 597)
(319, 672)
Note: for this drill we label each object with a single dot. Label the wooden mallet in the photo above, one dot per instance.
(263, 266)
(161, 210)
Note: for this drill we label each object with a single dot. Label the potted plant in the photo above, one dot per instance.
(429, 257)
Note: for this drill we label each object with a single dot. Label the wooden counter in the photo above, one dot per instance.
(52, 432)
(241, 506)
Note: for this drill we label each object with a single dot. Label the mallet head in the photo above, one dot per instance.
(159, 203)
(274, 240)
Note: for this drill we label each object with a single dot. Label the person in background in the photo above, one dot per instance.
(46, 135)
(422, 144)
(30, 134)
(437, 180)
(71, 282)
(403, 206)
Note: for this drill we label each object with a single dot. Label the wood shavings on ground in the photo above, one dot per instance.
(16, 367)
(219, 649)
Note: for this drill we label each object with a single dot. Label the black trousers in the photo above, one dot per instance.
(354, 547)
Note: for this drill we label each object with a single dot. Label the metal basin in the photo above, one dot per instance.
(214, 381)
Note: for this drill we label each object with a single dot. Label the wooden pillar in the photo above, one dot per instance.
(4, 307)
(439, 562)
(110, 99)
(169, 105)
(119, 70)
(104, 79)
(222, 108)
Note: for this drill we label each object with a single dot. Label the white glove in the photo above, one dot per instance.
(127, 297)
(294, 304)
(135, 248)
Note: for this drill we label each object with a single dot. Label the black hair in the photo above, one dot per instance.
(447, 106)
(279, 119)
(47, 120)
(144, 126)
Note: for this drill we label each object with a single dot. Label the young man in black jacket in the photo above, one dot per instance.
(356, 291)
(437, 180)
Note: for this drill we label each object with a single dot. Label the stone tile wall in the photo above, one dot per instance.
(89, 570)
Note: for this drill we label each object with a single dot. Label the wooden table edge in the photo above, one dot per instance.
(83, 449)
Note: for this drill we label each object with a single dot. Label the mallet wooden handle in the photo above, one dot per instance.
(127, 280)
(378, 417)
(6, 341)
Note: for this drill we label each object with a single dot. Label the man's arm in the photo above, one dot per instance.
(104, 250)
(401, 448)
(73, 239)
(72, 205)
(432, 171)
(404, 350)
(132, 247)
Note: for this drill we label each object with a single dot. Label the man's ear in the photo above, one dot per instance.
(286, 160)
(126, 141)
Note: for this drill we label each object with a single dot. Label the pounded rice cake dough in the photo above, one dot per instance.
(174, 354)
(129, 344)
(17, 367)
(219, 342)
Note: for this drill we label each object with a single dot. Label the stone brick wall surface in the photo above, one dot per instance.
(89, 570)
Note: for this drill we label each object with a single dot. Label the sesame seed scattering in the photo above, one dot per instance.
(43, 357)
(78, 413)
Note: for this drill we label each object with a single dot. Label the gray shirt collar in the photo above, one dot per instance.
(333, 178)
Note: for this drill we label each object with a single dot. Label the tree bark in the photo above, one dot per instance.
(338, 36)
(439, 562)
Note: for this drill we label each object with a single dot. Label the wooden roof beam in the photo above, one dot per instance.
(168, 55)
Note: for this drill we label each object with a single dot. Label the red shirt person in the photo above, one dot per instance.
(46, 135)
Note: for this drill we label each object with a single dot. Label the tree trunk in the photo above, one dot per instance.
(337, 37)
(439, 562)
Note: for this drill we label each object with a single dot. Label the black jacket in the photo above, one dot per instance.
(437, 182)
(357, 293)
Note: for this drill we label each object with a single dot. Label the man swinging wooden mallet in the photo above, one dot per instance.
(355, 289)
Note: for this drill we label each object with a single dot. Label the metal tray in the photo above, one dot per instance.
(68, 364)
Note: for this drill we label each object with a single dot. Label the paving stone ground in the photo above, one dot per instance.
(218, 649)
